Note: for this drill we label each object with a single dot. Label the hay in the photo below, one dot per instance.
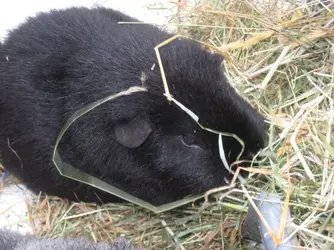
(280, 58)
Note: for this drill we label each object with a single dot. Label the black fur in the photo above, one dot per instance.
(59, 61)
(15, 241)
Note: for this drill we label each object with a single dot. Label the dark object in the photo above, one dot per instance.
(14, 241)
(271, 209)
(57, 62)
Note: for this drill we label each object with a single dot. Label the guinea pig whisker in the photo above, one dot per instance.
(226, 180)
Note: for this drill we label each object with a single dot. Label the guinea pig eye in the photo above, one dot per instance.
(189, 139)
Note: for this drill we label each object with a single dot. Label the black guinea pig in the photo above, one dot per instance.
(10, 240)
(57, 62)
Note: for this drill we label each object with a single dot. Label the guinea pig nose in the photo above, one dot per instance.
(250, 154)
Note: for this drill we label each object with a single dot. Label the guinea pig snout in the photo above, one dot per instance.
(250, 154)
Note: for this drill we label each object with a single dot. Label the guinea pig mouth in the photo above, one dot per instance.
(246, 160)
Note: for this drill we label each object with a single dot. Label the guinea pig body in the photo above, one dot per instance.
(12, 240)
(57, 62)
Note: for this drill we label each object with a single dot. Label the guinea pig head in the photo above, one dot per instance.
(177, 155)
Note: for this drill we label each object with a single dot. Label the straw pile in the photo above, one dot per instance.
(280, 57)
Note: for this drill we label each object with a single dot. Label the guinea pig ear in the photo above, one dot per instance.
(133, 132)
